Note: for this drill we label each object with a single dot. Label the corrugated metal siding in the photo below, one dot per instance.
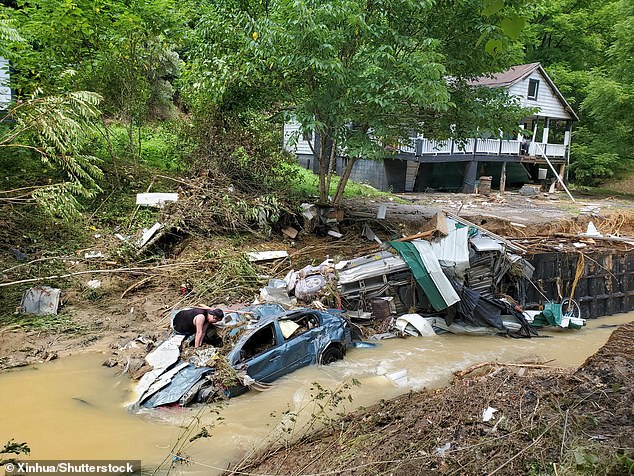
(5, 91)
(547, 100)
(302, 146)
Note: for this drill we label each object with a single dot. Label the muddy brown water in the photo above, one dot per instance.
(74, 408)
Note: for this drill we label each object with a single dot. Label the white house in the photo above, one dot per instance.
(453, 165)
(5, 90)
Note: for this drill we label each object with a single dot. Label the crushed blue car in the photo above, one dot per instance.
(257, 351)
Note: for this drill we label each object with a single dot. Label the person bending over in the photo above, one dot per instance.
(199, 321)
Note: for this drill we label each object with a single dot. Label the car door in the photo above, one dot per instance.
(300, 348)
(261, 354)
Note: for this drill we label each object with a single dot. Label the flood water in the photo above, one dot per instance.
(74, 408)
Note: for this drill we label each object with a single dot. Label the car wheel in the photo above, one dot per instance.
(331, 354)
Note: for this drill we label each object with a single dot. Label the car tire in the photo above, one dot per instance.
(331, 354)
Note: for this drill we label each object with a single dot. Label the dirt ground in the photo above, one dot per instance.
(129, 305)
(547, 421)
(526, 214)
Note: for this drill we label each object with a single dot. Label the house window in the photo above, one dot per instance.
(533, 88)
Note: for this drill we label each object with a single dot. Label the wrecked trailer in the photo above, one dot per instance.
(450, 279)
(255, 353)
(558, 279)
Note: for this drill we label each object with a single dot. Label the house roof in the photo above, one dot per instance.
(518, 73)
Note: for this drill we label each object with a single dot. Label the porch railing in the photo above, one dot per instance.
(422, 146)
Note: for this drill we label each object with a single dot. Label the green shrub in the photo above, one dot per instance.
(159, 146)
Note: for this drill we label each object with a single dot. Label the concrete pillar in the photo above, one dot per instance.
(503, 178)
(470, 177)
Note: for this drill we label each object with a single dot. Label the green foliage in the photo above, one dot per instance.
(162, 145)
(627, 462)
(8, 34)
(54, 322)
(53, 130)
(378, 67)
(13, 448)
(587, 49)
(119, 49)
(571, 33)
(242, 151)
(306, 186)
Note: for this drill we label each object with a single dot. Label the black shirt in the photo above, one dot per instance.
(184, 320)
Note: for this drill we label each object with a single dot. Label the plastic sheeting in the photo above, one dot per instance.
(477, 310)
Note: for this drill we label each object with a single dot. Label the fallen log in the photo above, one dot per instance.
(467, 371)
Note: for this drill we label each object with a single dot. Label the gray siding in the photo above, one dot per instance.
(547, 100)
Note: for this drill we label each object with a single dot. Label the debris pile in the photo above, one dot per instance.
(450, 274)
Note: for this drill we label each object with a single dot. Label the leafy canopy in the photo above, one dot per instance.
(360, 74)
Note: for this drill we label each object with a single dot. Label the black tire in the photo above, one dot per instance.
(331, 354)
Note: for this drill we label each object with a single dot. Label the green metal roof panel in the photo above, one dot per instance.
(412, 257)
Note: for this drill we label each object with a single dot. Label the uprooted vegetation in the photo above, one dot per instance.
(547, 421)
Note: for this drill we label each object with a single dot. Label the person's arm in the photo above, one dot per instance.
(200, 321)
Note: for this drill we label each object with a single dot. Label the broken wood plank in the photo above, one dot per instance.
(290, 232)
(417, 235)
(136, 285)
(437, 223)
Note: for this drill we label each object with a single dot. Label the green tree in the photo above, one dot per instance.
(609, 107)
(362, 75)
(124, 51)
(586, 47)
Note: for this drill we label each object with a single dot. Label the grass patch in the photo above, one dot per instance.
(600, 192)
(306, 185)
(57, 322)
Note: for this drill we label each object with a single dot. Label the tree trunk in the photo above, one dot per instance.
(323, 193)
(343, 181)
(331, 165)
